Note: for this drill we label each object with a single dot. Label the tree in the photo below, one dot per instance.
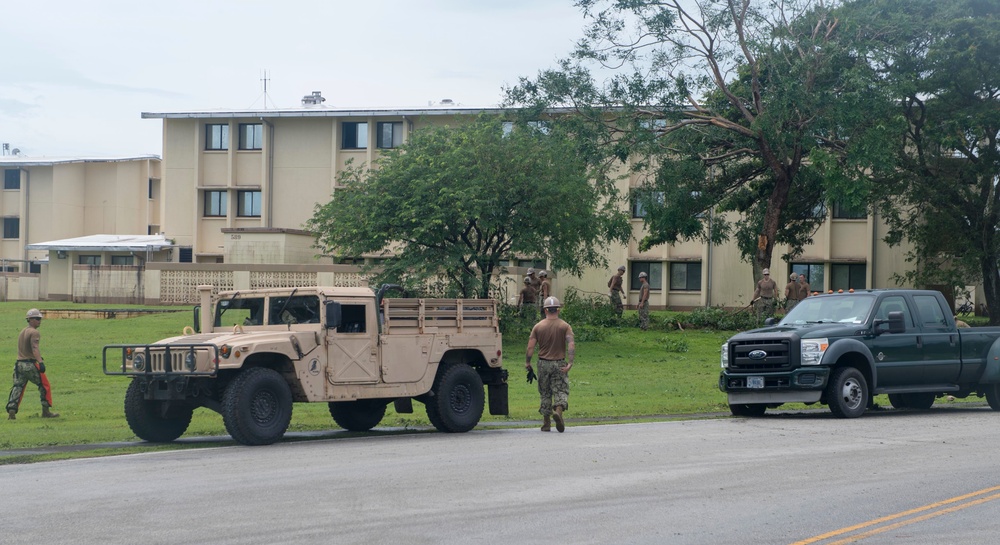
(729, 105)
(940, 59)
(456, 201)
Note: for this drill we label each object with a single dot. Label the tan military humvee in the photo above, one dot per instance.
(255, 352)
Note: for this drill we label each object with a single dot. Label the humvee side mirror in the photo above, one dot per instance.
(333, 315)
(197, 319)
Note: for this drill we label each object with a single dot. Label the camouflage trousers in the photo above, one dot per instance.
(25, 372)
(644, 315)
(765, 307)
(616, 302)
(553, 386)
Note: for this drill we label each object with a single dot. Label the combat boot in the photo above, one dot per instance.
(557, 416)
(46, 413)
(11, 414)
(546, 424)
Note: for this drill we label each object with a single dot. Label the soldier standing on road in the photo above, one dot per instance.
(764, 295)
(526, 300)
(556, 352)
(30, 367)
(643, 301)
(792, 295)
(615, 285)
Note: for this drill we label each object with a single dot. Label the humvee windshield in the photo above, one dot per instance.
(848, 309)
(239, 311)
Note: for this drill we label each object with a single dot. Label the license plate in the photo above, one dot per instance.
(755, 382)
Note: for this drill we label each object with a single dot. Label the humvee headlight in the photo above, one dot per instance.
(139, 362)
(190, 361)
(225, 350)
(812, 350)
(725, 355)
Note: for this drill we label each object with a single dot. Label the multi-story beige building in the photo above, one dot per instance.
(241, 184)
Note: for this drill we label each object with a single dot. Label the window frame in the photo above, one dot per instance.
(355, 142)
(255, 203)
(395, 140)
(11, 223)
(638, 209)
(653, 270)
(208, 205)
(93, 260)
(217, 144)
(842, 212)
(812, 272)
(690, 284)
(12, 179)
(853, 271)
(128, 260)
(254, 132)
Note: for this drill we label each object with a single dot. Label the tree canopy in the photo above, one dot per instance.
(457, 201)
(728, 105)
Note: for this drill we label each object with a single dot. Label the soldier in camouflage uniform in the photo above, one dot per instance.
(30, 367)
(526, 300)
(616, 291)
(644, 301)
(556, 352)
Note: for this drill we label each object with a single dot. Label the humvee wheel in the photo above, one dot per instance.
(360, 415)
(458, 400)
(147, 420)
(257, 406)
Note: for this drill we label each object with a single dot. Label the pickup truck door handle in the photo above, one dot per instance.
(920, 342)
(951, 339)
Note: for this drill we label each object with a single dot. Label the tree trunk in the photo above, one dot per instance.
(991, 285)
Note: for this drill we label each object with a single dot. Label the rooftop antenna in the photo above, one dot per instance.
(264, 79)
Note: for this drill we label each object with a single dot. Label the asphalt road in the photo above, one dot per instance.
(888, 477)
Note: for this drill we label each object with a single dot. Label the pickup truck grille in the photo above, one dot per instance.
(776, 356)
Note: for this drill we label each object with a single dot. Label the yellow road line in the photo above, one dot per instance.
(888, 518)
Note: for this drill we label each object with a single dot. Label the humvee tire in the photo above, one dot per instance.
(458, 400)
(360, 415)
(257, 406)
(146, 421)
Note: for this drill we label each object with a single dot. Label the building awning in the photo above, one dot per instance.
(106, 243)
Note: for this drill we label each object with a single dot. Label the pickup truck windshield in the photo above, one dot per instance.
(848, 309)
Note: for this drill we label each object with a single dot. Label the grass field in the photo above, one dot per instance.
(620, 374)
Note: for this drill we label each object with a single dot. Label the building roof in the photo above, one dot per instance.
(106, 243)
(24, 161)
(323, 111)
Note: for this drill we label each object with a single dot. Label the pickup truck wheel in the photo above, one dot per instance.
(148, 422)
(992, 392)
(898, 401)
(257, 406)
(919, 400)
(360, 415)
(458, 400)
(747, 409)
(847, 393)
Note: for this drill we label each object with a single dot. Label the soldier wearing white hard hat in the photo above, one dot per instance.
(556, 351)
(763, 295)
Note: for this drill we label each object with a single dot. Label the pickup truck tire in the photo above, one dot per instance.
(458, 400)
(992, 392)
(847, 393)
(898, 401)
(360, 415)
(148, 423)
(748, 409)
(257, 407)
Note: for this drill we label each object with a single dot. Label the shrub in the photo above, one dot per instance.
(719, 318)
(674, 345)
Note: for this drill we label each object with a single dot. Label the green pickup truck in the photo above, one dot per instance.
(842, 349)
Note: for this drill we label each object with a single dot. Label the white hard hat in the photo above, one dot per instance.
(766, 271)
(34, 313)
(621, 268)
(643, 275)
(531, 271)
(527, 280)
(551, 302)
(543, 273)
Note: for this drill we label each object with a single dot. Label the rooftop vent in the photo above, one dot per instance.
(447, 102)
(313, 100)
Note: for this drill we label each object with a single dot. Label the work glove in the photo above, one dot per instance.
(531, 375)
(41, 367)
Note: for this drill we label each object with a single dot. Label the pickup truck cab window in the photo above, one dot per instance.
(894, 303)
(930, 311)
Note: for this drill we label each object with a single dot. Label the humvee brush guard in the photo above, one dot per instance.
(253, 353)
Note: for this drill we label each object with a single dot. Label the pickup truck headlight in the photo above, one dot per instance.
(812, 350)
(725, 355)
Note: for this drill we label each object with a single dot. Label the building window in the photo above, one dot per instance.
(12, 178)
(685, 276)
(248, 204)
(390, 135)
(11, 227)
(215, 203)
(844, 212)
(185, 254)
(251, 136)
(814, 273)
(535, 263)
(122, 260)
(641, 200)
(217, 137)
(355, 135)
(654, 269)
(848, 276)
(89, 260)
(35, 267)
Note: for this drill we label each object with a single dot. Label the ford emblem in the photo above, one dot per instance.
(757, 355)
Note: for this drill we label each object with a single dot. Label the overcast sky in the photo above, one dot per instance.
(77, 75)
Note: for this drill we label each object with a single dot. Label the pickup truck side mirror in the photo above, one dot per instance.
(770, 321)
(333, 315)
(896, 323)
